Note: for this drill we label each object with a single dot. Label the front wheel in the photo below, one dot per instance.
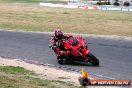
(93, 60)
(60, 61)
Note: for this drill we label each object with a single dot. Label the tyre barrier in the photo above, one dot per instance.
(88, 7)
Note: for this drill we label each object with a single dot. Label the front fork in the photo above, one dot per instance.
(85, 52)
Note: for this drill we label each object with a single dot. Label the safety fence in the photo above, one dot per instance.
(85, 6)
(115, 8)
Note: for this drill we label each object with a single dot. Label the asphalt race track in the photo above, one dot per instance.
(115, 55)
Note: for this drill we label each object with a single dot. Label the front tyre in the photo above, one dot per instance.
(60, 61)
(93, 60)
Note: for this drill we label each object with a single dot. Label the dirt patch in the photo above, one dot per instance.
(44, 72)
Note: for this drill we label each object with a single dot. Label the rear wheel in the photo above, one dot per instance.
(93, 60)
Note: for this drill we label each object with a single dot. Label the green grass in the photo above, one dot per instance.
(16, 77)
(14, 70)
(32, 17)
(34, 1)
(21, 1)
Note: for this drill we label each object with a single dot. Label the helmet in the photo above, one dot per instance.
(58, 34)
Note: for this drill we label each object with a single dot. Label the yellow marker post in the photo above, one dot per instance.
(84, 74)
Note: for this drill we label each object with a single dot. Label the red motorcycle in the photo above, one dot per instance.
(79, 51)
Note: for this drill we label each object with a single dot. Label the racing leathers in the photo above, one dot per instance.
(58, 45)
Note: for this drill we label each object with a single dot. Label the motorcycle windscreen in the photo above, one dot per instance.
(73, 41)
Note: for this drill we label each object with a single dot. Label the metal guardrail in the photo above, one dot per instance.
(117, 8)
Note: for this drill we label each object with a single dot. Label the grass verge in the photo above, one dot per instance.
(34, 1)
(18, 77)
(32, 17)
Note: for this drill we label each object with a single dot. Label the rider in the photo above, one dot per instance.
(57, 42)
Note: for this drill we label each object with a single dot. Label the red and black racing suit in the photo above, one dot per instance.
(58, 45)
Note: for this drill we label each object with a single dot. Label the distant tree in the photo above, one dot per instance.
(116, 3)
(126, 3)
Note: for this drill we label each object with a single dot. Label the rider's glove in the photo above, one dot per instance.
(52, 46)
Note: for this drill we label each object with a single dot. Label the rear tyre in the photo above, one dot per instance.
(93, 60)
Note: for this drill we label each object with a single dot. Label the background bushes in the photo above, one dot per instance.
(116, 3)
(126, 3)
(103, 3)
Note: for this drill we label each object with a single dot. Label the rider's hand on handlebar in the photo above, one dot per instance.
(52, 46)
